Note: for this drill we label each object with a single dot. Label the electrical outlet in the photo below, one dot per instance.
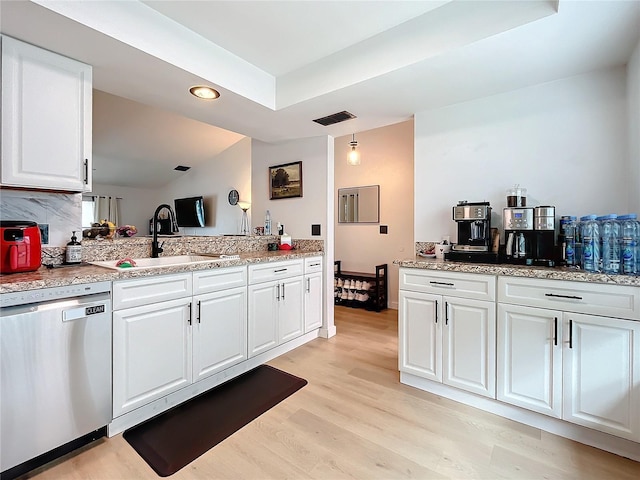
(315, 229)
(384, 229)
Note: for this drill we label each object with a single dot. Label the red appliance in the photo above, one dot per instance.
(20, 246)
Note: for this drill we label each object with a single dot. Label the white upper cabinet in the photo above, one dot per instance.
(46, 119)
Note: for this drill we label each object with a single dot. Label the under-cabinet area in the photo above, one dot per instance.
(177, 335)
(566, 354)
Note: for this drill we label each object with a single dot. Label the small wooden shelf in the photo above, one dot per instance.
(365, 290)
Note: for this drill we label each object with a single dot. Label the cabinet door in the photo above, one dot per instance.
(312, 301)
(263, 317)
(529, 358)
(469, 345)
(46, 119)
(219, 331)
(290, 309)
(420, 334)
(151, 353)
(602, 374)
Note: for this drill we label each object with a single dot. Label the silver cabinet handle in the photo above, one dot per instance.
(278, 292)
(308, 285)
(283, 291)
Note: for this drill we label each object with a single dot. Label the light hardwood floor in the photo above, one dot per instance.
(355, 420)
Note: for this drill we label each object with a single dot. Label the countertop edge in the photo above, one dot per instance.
(87, 273)
(549, 273)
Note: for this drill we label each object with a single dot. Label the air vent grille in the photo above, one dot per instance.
(182, 168)
(335, 118)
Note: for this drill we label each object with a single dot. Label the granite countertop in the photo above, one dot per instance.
(88, 273)
(552, 273)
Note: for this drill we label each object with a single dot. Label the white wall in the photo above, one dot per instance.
(633, 93)
(297, 214)
(386, 160)
(565, 141)
(213, 180)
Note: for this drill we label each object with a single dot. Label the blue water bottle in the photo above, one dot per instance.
(610, 235)
(629, 251)
(568, 229)
(590, 243)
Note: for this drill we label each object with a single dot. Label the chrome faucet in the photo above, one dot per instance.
(156, 249)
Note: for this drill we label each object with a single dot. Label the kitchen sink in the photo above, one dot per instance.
(166, 261)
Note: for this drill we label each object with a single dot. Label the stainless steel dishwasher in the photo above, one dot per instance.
(55, 373)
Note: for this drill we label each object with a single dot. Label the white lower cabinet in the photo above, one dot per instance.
(219, 331)
(276, 313)
(446, 338)
(582, 368)
(312, 293)
(151, 353)
(529, 365)
(161, 346)
(601, 367)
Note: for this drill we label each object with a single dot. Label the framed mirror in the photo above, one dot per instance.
(359, 204)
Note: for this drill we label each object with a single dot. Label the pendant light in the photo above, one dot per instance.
(354, 155)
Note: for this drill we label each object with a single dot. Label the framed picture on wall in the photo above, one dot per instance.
(285, 181)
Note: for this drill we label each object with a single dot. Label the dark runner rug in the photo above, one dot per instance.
(175, 438)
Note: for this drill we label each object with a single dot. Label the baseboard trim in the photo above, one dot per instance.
(603, 441)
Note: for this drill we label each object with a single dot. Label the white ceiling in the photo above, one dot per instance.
(280, 64)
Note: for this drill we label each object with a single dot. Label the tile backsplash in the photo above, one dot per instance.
(61, 211)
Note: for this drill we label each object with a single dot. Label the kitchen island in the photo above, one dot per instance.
(554, 348)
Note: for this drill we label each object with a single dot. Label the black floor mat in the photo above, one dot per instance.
(175, 438)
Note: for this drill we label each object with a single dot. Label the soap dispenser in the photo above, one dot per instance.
(73, 253)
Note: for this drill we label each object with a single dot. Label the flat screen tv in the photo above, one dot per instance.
(189, 211)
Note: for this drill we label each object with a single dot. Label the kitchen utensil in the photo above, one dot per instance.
(20, 246)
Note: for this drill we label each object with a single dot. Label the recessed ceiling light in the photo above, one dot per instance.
(204, 92)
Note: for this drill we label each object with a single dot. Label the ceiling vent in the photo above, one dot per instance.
(182, 168)
(335, 118)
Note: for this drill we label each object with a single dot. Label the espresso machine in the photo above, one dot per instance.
(518, 235)
(544, 227)
(474, 233)
(529, 235)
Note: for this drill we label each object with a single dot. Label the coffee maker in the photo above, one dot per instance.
(474, 233)
(529, 235)
(544, 226)
(519, 235)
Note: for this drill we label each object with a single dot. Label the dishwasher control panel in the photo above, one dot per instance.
(52, 293)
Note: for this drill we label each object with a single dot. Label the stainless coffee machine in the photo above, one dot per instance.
(529, 235)
(474, 233)
(544, 226)
(518, 235)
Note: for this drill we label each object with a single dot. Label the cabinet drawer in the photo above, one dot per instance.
(266, 272)
(312, 264)
(153, 289)
(467, 285)
(218, 279)
(620, 301)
